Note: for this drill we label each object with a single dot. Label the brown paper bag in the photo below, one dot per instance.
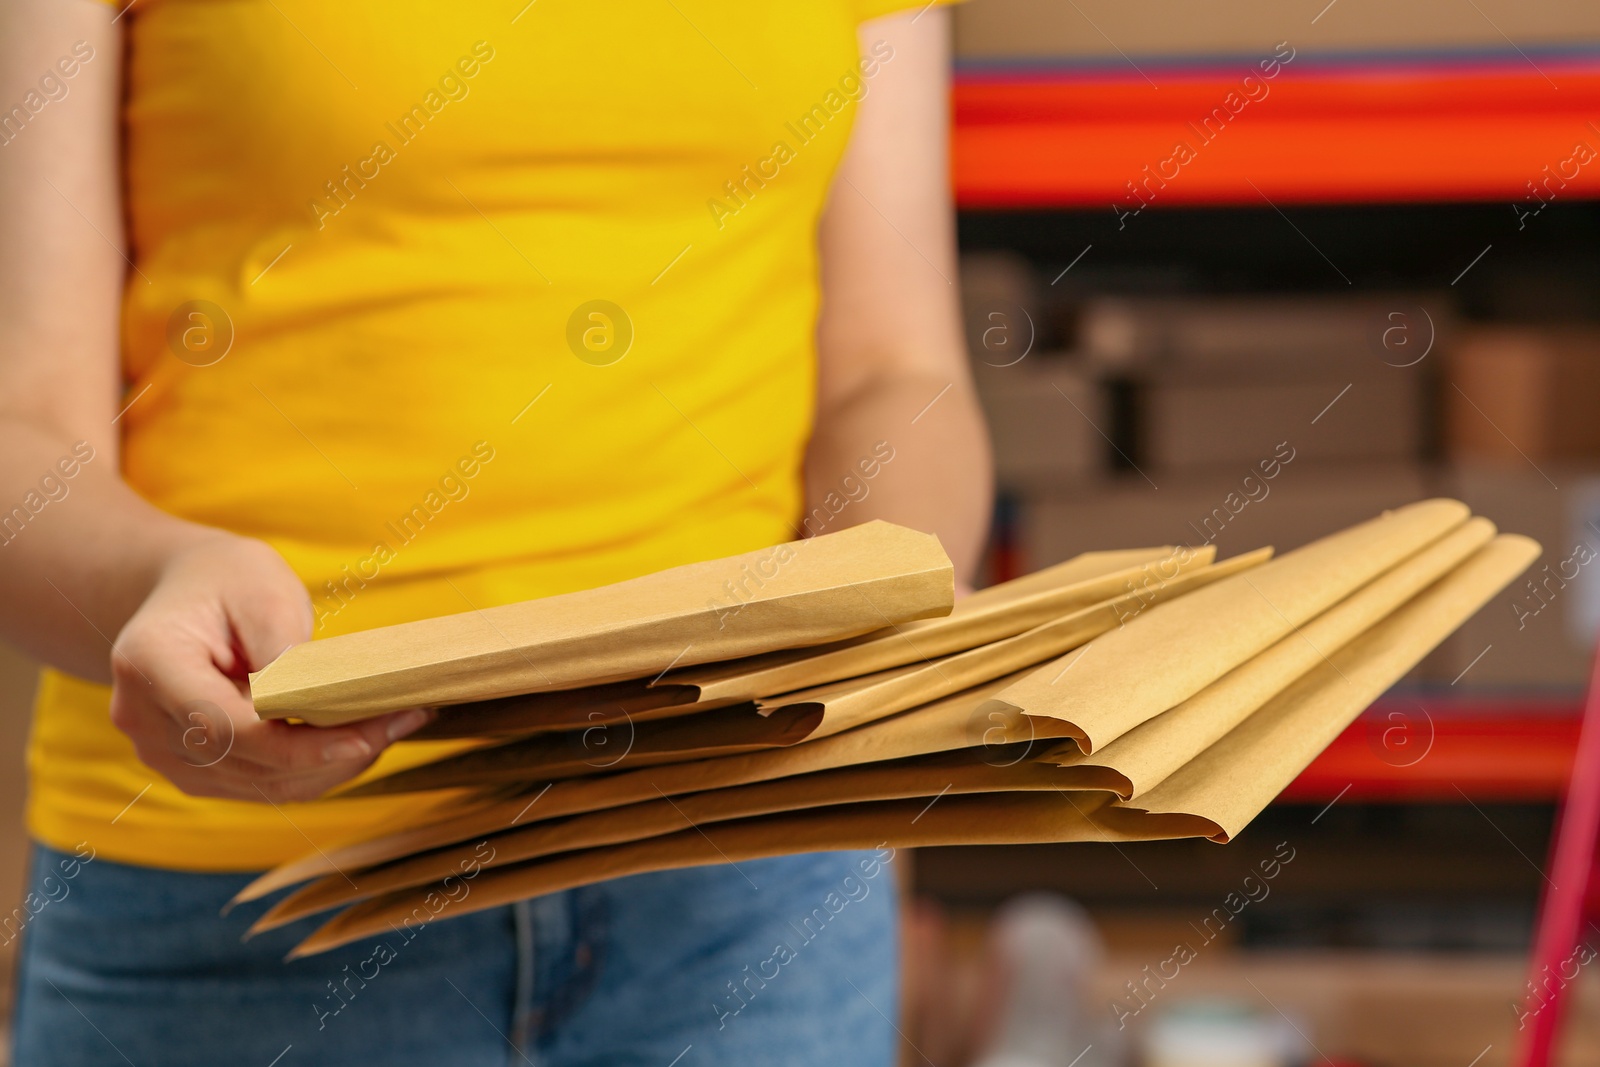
(792, 595)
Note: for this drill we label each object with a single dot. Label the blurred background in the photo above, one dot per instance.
(1243, 273)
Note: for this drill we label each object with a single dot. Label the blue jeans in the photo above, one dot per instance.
(782, 961)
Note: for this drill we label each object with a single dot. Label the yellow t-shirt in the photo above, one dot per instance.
(455, 305)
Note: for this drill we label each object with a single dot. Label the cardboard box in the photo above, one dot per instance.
(1281, 336)
(1223, 380)
(1237, 512)
(1189, 422)
(1000, 307)
(1538, 634)
(1515, 394)
(1246, 30)
(1047, 419)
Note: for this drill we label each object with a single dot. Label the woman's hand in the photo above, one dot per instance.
(219, 609)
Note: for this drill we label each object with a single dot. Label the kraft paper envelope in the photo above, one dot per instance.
(848, 704)
(611, 745)
(1360, 613)
(549, 756)
(951, 773)
(990, 614)
(1231, 782)
(997, 818)
(563, 709)
(1000, 611)
(932, 729)
(941, 726)
(1166, 742)
(1174, 650)
(797, 594)
(1147, 754)
(1215, 795)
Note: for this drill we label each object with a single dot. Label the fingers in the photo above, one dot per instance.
(208, 749)
(188, 719)
(272, 615)
(292, 748)
(293, 762)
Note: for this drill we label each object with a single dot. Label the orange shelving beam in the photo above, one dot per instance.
(1353, 133)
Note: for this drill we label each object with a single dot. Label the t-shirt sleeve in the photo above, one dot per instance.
(871, 9)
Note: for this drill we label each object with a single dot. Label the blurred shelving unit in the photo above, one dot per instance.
(1341, 161)
(1386, 157)
(1483, 749)
(1328, 130)
(1371, 112)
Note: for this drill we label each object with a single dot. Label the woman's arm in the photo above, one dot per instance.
(892, 359)
(72, 572)
(84, 561)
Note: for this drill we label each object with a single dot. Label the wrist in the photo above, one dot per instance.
(154, 545)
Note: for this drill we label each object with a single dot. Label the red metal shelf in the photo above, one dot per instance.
(1329, 133)
(1435, 751)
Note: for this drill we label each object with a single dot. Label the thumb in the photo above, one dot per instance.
(267, 621)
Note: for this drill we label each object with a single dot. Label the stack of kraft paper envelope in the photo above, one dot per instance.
(829, 694)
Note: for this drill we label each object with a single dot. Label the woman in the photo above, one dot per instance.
(323, 317)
